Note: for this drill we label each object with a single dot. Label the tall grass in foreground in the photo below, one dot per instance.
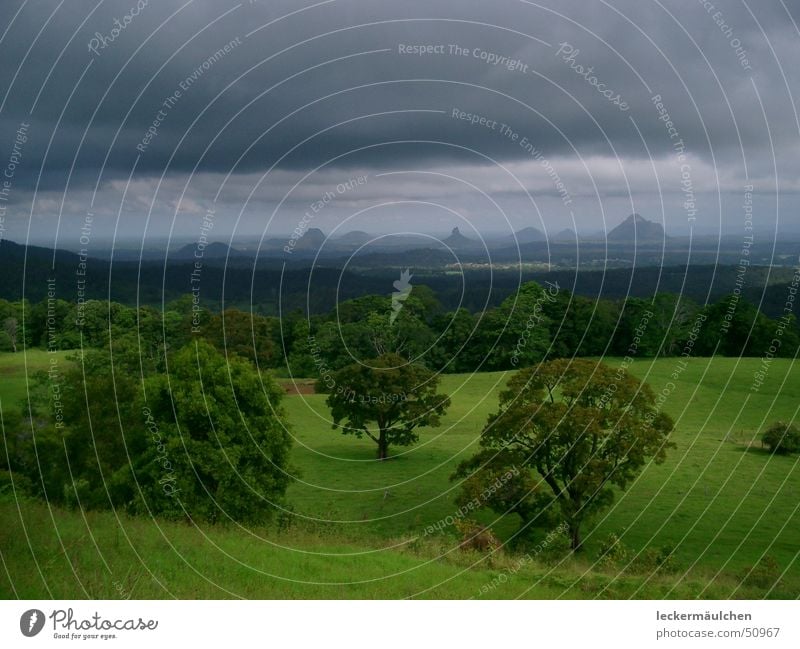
(49, 553)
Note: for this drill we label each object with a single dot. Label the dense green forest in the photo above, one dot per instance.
(541, 321)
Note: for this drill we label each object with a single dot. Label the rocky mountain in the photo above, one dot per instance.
(458, 240)
(637, 228)
(312, 239)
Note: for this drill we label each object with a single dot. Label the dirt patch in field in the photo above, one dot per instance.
(299, 386)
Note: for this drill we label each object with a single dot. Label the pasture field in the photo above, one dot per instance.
(720, 499)
(721, 502)
(17, 369)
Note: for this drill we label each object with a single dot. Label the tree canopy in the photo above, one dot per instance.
(207, 439)
(581, 427)
(386, 399)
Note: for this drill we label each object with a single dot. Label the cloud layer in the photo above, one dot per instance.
(505, 114)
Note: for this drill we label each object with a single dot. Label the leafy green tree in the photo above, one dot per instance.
(675, 317)
(17, 461)
(659, 326)
(517, 333)
(81, 433)
(386, 399)
(453, 333)
(734, 327)
(338, 344)
(373, 334)
(358, 309)
(423, 303)
(303, 357)
(782, 438)
(9, 309)
(225, 441)
(499, 479)
(150, 334)
(583, 428)
(408, 336)
(53, 325)
(638, 333)
(206, 440)
(184, 321)
(580, 326)
(100, 319)
(247, 334)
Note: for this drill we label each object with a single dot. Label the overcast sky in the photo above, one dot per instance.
(258, 110)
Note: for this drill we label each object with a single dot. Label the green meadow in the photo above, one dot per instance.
(720, 502)
(720, 498)
(17, 369)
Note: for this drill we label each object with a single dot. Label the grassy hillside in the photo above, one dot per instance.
(49, 553)
(720, 500)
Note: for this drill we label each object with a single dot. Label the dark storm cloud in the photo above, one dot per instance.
(197, 87)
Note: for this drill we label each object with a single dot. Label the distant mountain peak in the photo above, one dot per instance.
(313, 237)
(215, 249)
(567, 234)
(528, 235)
(457, 239)
(313, 233)
(637, 228)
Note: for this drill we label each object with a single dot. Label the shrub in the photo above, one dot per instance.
(655, 559)
(665, 558)
(765, 574)
(554, 547)
(612, 551)
(782, 438)
(475, 536)
(6, 344)
(15, 483)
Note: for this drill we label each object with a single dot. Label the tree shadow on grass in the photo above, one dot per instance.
(763, 451)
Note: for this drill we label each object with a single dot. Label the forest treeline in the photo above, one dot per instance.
(540, 322)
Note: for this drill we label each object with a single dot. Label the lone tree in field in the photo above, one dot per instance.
(581, 428)
(782, 438)
(386, 401)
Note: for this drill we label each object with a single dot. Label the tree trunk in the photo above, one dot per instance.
(383, 446)
(575, 535)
